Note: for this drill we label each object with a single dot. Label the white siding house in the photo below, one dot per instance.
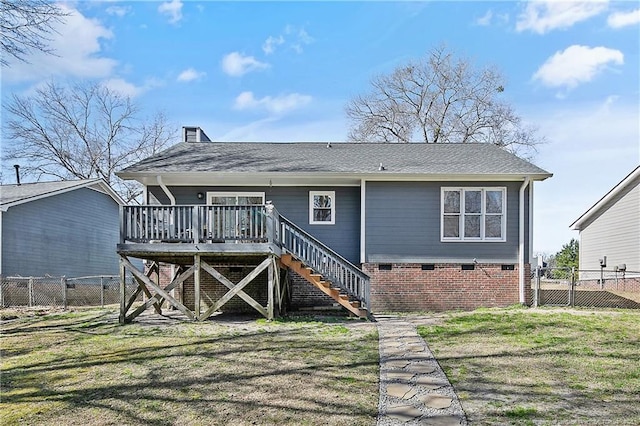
(611, 228)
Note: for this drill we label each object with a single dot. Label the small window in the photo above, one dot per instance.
(429, 267)
(468, 267)
(508, 267)
(384, 267)
(322, 207)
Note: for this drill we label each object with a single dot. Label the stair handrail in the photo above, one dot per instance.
(361, 292)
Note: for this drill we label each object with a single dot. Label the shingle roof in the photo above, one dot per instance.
(347, 158)
(17, 194)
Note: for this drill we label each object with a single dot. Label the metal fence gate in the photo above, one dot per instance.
(586, 288)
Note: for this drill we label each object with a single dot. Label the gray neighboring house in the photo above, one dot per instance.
(64, 228)
(611, 227)
(434, 226)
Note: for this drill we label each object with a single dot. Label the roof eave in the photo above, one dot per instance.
(284, 178)
(88, 184)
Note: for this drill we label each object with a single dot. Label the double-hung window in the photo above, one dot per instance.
(322, 207)
(473, 214)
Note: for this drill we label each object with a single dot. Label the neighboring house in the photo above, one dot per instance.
(433, 226)
(611, 228)
(67, 228)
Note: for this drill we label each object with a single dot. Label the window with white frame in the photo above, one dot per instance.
(473, 214)
(322, 207)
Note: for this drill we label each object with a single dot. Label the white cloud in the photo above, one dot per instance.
(576, 64)
(623, 19)
(542, 16)
(485, 20)
(269, 45)
(302, 38)
(273, 129)
(236, 64)
(172, 9)
(77, 47)
(294, 38)
(119, 11)
(275, 105)
(190, 74)
(125, 88)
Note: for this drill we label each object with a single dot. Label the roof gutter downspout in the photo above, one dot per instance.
(521, 242)
(172, 199)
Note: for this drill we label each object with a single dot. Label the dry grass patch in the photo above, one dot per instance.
(83, 368)
(525, 366)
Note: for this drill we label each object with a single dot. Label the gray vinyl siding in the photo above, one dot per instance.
(293, 203)
(72, 234)
(615, 233)
(403, 225)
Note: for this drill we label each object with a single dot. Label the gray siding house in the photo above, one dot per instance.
(65, 228)
(430, 226)
(611, 227)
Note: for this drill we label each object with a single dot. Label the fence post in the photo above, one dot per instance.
(536, 289)
(572, 295)
(30, 291)
(101, 291)
(63, 283)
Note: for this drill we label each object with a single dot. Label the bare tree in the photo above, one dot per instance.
(439, 99)
(82, 131)
(25, 26)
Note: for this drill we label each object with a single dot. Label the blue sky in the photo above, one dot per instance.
(283, 71)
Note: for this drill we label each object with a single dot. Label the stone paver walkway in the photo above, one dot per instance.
(413, 388)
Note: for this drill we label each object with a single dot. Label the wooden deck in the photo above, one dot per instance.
(196, 237)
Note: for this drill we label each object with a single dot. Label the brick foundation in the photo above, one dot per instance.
(409, 287)
(211, 290)
(305, 295)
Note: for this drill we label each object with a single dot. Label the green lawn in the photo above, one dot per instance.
(83, 368)
(526, 366)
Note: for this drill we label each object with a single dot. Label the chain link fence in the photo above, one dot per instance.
(61, 291)
(586, 288)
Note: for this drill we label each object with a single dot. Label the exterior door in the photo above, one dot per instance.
(235, 215)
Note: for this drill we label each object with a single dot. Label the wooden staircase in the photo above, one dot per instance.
(319, 281)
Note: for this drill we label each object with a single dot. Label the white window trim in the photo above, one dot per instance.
(331, 194)
(211, 194)
(483, 213)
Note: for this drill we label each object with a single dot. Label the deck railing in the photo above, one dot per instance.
(194, 224)
(335, 268)
(246, 223)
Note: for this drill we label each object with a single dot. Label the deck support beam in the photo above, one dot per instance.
(144, 283)
(123, 291)
(196, 285)
(236, 289)
(270, 288)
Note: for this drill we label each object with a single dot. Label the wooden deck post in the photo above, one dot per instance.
(123, 291)
(196, 285)
(270, 287)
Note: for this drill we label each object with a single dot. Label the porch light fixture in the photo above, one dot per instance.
(200, 195)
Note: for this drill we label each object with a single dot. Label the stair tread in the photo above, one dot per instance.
(317, 279)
